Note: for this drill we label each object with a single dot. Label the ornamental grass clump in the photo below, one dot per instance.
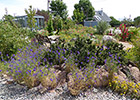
(47, 77)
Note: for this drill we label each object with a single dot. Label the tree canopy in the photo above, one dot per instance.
(137, 21)
(127, 21)
(85, 7)
(58, 7)
(114, 22)
(43, 13)
(31, 20)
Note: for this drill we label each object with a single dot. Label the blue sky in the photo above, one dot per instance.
(117, 8)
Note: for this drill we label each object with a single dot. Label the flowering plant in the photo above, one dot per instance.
(124, 32)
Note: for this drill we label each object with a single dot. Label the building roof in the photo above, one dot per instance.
(36, 16)
(100, 15)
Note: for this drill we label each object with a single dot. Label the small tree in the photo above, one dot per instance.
(31, 20)
(102, 27)
(114, 22)
(57, 23)
(50, 25)
(85, 7)
(58, 7)
(137, 21)
(78, 16)
(127, 21)
(43, 13)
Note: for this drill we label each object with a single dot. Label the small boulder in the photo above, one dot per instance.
(108, 38)
(135, 73)
(101, 78)
(121, 76)
(54, 37)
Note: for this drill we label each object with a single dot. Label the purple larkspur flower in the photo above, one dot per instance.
(91, 71)
(118, 61)
(51, 79)
(20, 71)
(78, 52)
(105, 60)
(0, 70)
(45, 66)
(45, 74)
(110, 55)
(58, 53)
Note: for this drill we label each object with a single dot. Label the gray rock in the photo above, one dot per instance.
(54, 37)
(108, 38)
(95, 90)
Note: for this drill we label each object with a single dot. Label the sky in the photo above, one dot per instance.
(119, 9)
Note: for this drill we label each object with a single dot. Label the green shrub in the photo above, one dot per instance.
(134, 53)
(50, 25)
(84, 51)
(68, 24)
(12, 38)
(111, 49)
(57, 23)
(134, 32)
(102, 27)
(57, 54)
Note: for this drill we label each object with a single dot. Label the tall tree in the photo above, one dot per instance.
(137, 21)
(78, 16)
(43, 13)
(86, 7)
(31, 20)
(127, 21)
(114, 22)
(58, 7)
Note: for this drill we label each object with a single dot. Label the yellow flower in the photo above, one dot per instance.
(122, 85)
(137, 86)
(116, 77)
(115, 81)
(117, 87)
(121, 93)
(133, 86)
(135, 91)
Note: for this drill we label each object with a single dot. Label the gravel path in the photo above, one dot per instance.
(15, 91)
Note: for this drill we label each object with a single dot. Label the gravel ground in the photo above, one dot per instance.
(15, 91)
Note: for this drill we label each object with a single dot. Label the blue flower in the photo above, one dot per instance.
(105, 60)
(31, 50)
(51, 79)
